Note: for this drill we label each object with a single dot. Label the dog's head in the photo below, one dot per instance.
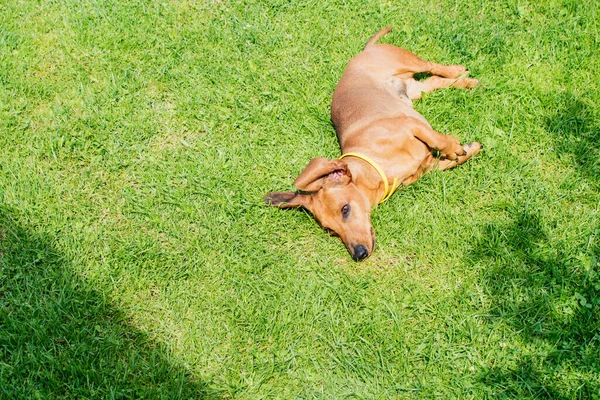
(335, 202)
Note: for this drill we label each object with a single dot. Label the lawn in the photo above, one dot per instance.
(137, 259)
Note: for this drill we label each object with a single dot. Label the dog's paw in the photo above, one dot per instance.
(455, 71)
(453, 149)
(467, 83)
(472, 148)
(468, 151)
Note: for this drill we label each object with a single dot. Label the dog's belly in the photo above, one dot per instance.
(390, 143)
(354, 108)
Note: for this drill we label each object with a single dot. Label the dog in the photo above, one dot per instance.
(385, 143)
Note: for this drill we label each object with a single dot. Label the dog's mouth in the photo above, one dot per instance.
(360, 251)
(372, 240)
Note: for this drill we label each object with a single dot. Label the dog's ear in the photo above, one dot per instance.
(320, 171)
(289, 199)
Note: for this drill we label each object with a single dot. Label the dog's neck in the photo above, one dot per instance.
(366, 179)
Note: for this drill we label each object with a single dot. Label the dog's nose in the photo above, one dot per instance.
(360, 253)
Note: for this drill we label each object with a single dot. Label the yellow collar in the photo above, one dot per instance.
(386, 185)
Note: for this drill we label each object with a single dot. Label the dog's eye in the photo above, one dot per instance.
(346, 210)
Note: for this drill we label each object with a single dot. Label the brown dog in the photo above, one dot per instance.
(385, 142)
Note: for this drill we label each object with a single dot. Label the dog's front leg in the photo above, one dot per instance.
(447, 145)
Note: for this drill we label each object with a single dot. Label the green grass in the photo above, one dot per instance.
(138, 260)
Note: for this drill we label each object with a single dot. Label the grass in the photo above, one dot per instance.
(138, 261)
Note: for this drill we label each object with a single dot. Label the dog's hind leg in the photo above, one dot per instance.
(415, 88)
(446, 71)
(404, 64)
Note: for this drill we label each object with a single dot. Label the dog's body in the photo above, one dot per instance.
(381, 136)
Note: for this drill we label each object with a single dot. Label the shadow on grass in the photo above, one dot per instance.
(577, 132)
(60, 339)
(552, 299)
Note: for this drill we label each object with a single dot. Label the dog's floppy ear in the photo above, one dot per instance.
(321, 170)
(289, 199)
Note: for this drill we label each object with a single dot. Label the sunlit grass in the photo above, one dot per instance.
(138, 260)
